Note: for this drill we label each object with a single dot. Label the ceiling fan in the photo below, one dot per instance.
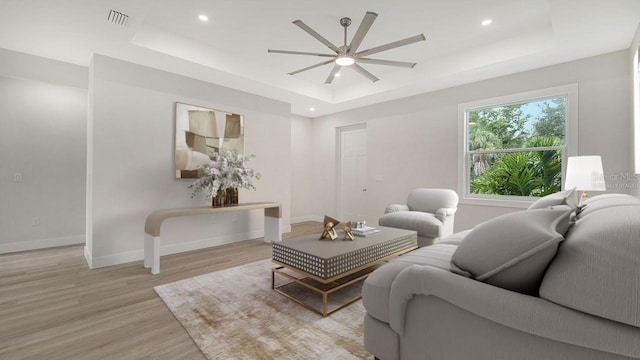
(348, 55)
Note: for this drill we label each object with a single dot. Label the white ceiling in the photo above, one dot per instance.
(231, 48)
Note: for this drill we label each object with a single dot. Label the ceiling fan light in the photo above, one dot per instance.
(345, 60)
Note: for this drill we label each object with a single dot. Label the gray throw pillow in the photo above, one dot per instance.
(513, 251)
(565, 197)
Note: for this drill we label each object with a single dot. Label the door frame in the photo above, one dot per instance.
(340, 130)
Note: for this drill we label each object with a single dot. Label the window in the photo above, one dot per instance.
(515, 147)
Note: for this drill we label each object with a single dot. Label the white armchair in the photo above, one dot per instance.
(430, 212)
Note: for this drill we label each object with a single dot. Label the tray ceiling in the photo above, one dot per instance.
(231, 48)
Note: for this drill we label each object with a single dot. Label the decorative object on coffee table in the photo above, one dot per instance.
(348, 234)
(223, 177)
(329, 228)
(364, 230)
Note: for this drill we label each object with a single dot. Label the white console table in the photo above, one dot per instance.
(272, 225)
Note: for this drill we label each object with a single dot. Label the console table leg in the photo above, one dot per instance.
(152, 253)
(272, 229)
(148, 240)
(155, 265)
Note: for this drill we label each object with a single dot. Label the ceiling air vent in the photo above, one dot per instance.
(118, 18)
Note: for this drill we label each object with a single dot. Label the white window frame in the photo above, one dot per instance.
(571, 140)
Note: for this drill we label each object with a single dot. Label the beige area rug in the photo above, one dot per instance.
(234, 314)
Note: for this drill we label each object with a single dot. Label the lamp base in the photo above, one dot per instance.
(583, 197)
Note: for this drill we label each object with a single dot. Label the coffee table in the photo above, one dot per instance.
(326, 266)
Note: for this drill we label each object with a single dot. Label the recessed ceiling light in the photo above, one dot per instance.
(337, 75)
(203, 18)
(312, 109)
(487, 22)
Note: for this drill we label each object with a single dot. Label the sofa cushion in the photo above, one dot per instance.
(395, 208)
(597, 268)
(430, 200)
(591, 205)
(424, 223)
(565, 197)
(455, 239)
(512, 251)
(376, 288)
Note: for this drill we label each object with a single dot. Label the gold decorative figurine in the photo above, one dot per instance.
(329, 228)
(347, 231)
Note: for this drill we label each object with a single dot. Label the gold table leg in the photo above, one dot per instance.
(325, 293)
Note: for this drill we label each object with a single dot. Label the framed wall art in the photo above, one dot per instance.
(201, 133)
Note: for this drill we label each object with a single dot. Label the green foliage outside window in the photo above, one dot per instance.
(517, 172)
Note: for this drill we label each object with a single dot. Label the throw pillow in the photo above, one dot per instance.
(513, 251)
(565, 197)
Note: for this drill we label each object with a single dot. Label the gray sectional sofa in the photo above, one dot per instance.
(554, 282)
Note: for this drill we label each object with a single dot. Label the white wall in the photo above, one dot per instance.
(412, 142)
(303, 203)
(131, 161)
(635, 110)
(43, 105)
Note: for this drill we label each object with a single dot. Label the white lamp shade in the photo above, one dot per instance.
(585, 174)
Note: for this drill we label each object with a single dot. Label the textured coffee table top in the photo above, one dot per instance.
(328, 248)
(327, 258)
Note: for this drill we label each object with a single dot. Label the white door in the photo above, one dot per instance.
(353, 172)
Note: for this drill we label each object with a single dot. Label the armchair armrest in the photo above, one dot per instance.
(442, 213)
(395, 208)
(514, 310)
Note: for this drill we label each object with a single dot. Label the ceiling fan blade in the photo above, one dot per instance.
(300, 53)
(332, 74)
(364, 27)
(318, 37)
(312, 67)
(386, 62)
(364, 72)
(391, 45)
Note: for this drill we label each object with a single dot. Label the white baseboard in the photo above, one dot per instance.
(205, 243)
(137, 255)
(300, 219)
(16, 246)
(115, 259)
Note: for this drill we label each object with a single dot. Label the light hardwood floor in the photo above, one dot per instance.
(53, 307)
